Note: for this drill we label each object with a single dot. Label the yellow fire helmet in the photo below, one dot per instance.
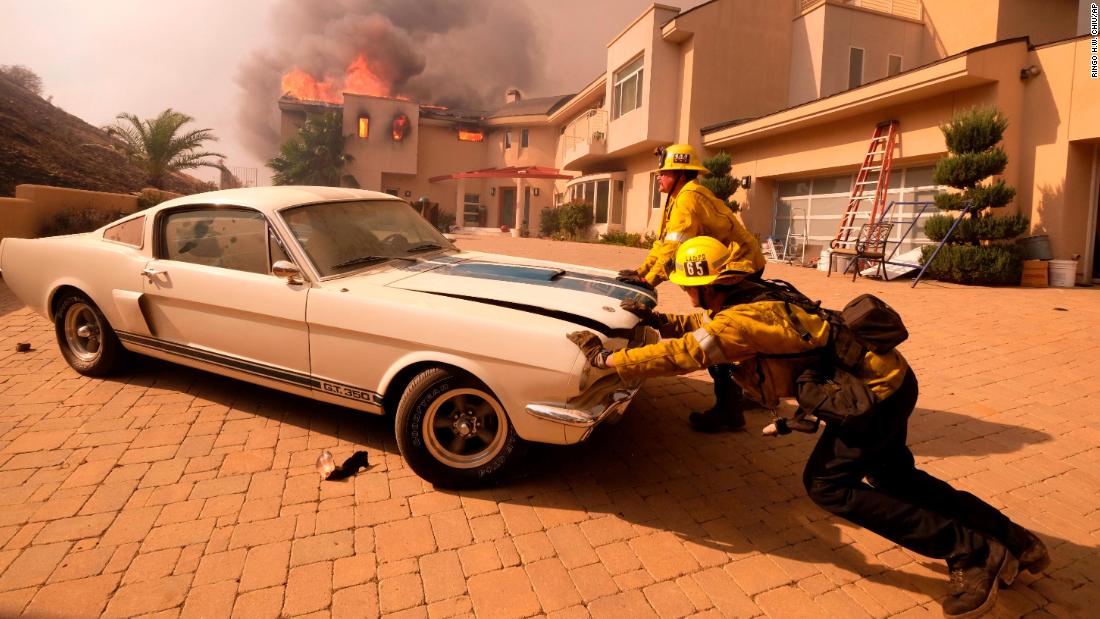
(679, 157)
(705, 260)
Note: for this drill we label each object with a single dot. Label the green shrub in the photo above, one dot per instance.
(719, 181)
(445, 222)
(151, 197)
(629, 239)
(989, 265)
(974, 229)
(575, 218)
(950, 201)
(550, 221)
(78, 221)
(966, 169)
(994, 195)
(974, 130)
(936, 226)
(990, 228)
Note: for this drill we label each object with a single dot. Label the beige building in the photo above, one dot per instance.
(792, 90)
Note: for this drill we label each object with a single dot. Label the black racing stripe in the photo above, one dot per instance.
(584, 321)
(249, 367)
(286, 376)
(552, 277)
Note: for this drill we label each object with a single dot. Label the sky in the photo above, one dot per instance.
(99, 58)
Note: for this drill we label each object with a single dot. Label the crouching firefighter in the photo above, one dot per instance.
(692, 210)
(860, 469)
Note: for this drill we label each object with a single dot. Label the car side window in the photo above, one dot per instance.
(127, 232)
(227, 238)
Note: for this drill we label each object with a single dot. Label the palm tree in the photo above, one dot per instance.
(315, 156)
(157, 145)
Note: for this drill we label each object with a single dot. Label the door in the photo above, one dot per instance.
(508, 206)
(209, 295)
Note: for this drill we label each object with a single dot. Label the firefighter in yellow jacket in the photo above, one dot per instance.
(770, 340)
(691, 210)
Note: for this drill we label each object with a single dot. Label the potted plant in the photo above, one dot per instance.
(597, 136)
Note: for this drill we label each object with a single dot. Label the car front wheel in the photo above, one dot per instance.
(87, 341)
(453, 432)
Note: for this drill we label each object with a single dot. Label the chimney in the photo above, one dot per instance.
(512, 95)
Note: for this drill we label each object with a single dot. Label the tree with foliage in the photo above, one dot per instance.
(158, 145)
(976, 252)
(22, 76)
(719, 181)
(316, 155)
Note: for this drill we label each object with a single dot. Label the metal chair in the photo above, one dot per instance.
(870, 246)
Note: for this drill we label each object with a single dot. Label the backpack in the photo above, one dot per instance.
(828, 388)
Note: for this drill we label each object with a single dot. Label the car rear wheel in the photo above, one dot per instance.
(453, 432)
(87, 341)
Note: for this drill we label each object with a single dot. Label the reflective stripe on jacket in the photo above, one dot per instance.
(741, 334)
(695, 211)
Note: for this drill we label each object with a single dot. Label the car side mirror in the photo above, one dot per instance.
(284, 269)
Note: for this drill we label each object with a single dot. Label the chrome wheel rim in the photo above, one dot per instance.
(83, 332)
(464, 428)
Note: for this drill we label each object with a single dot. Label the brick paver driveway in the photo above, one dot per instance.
(168, 491)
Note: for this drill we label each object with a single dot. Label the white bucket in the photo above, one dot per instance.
(1063, 273)
(842, 263)
(823, 261)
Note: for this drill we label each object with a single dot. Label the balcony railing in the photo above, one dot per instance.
(588, 128)
(911, 9)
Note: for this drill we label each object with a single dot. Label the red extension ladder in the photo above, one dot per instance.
(880, 155)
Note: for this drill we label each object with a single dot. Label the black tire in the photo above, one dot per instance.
(453, 432)
(86, 339)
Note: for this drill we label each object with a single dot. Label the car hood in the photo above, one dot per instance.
(581, 295)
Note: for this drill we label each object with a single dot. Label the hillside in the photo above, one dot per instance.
(44, 145)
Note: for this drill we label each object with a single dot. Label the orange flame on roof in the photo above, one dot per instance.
(359, 79)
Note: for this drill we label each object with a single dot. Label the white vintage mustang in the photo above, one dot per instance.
(344, 296)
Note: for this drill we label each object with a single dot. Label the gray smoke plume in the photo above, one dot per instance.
(458, 53)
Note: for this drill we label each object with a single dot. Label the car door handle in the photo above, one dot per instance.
(151, 273)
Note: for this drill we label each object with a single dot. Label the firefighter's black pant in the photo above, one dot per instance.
(727, 393)
(901, 503)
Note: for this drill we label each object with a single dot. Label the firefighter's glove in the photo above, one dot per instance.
(632, 277)
(592, 347)
(644, 312)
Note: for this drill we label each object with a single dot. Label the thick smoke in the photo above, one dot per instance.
(458, 53)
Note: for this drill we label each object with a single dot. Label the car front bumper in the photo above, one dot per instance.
(579, 422)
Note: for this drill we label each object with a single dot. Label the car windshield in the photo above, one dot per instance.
(342, 237)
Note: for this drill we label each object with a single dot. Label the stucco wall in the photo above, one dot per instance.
(1056, 184)
(877, 35)
(34, 205)
(1042, 22)
(730, 73)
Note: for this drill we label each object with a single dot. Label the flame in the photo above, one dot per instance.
(302, 85)
(471, 135)
(359, 79)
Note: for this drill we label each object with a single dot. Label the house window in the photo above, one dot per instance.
(470, 135)
(601, 188)
(523, 137)
(655, 198)
(471, 210)
(628, 87)
(364, 126)
(855, 67)
(893, 65)
(617, 204)
(507, 140)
